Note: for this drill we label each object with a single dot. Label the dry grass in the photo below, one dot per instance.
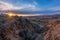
(54, 31)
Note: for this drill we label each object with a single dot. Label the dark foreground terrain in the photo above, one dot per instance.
(27, 28)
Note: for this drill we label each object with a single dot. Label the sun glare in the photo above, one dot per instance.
(10, 14)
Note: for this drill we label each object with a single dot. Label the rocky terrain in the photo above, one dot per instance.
(54, 30)
(23, 28)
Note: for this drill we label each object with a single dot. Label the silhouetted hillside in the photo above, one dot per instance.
(20, 28)
(30, 28)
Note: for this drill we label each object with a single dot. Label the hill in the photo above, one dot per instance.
(30, 28)
(20, 28)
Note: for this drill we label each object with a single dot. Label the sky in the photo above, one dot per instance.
(31, 6)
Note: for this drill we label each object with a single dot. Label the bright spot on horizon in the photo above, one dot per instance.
(14, 14)
(10, 14)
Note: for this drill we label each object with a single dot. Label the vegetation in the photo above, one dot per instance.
(25, 28)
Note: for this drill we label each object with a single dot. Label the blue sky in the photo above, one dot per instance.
(30, 5)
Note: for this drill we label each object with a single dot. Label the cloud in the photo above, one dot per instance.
(9, 6)
(54, 8)
(34, 2)
(29, 7)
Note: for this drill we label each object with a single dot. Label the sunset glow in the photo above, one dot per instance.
(10, 14)
(15, 14)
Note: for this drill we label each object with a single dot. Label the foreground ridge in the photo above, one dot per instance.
(20, 28)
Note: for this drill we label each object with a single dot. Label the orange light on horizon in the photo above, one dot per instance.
(14, 14)
(11, 14)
